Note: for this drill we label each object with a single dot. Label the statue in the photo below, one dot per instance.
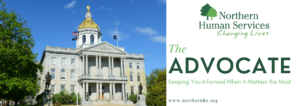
(48, 81)
(140, 88)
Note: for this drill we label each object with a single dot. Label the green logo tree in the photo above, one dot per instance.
(208, 11)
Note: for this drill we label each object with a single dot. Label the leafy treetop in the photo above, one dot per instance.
(19, 68)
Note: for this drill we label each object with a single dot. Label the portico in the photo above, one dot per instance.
(100, 66)
(101, 74)
(103, 90)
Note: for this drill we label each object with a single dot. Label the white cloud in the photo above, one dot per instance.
(119, 34)
(160, 39)
(70, 5)
(148, 31)
(162, 1)
(152, 34)
(108, 9)
(102, 7)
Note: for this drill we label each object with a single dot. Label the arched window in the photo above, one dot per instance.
(139, 77)
(53, 73)
(131, 76)
(92, 39)
(72, 75)
(83, 39)
(63, 74)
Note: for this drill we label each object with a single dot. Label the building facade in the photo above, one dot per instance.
(94, 68)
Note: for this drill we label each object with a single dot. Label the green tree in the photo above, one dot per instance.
(133, 98)
(18, 65)
(156, 87)
(204, 10)
(212, 13)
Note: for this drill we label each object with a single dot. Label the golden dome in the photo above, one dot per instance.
(88, 21)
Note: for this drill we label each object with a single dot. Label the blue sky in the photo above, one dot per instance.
(141, 24)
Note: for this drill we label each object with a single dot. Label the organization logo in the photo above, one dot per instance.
(249, 26)
(208, 11)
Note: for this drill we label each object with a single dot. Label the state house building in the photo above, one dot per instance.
(99, 69)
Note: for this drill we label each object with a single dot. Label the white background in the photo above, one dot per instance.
(183, 18)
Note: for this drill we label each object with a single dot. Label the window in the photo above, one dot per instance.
(72, 61)
(92, 39)
(137, 65)
(52, 88)
(89, 73)
(131, 76)
(138, 77)
(63, 61)
(130, 65)
(63, 74)
(53, 73)
(72, 89)
(132, 89)
(62, 87)
(83, 39)
(53, 60)
(72, 75)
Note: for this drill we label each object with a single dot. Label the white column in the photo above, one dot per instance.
(110, 91)
(97, 90)
(87, 90)
(100, 90)
(124, 66)
(83, 91)
(97, 65)
(114, 91)
(100, 68)
(86, 66)
(83, 66)
(126, 90)
(121, 66)
(79, 88)
(123, 92)
(79, 66)
(109, 72)
(112, 66)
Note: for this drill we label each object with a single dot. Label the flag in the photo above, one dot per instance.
(74, 38)
(115, 37)
(74, 33)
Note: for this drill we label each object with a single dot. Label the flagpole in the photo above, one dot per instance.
(79, 59)
(117, 35)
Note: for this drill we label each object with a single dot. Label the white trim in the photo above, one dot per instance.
(53, 88)
(74, 75)
(54, 72)
(54, 60)
(137, 78)
(62, 85)
(74, 61)
(131, 89)
(61, 61)
(61, 74)
(130, 77)
(70, 91)
(131, 64)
